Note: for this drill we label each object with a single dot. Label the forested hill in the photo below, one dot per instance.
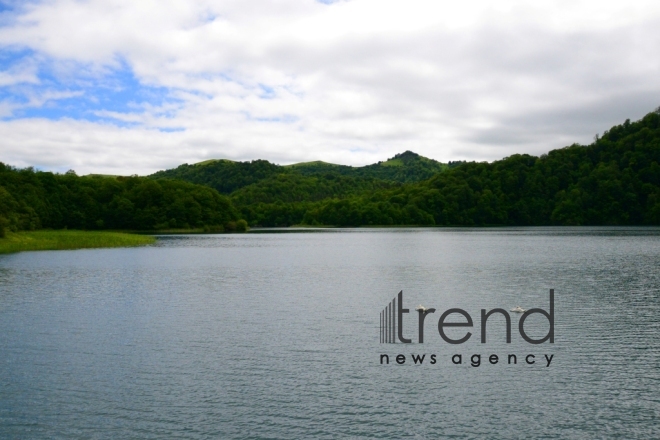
(34, 200)
(405, 167)
(227, 176)
(613, 181)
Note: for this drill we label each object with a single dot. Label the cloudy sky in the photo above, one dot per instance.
(127, 86)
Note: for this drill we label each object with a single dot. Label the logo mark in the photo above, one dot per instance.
(391, 322)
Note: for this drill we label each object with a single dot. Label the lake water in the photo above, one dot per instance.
(276, 335)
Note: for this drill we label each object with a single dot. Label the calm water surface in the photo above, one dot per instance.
(276, 335)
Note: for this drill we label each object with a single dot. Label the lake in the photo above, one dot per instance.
(277, 335)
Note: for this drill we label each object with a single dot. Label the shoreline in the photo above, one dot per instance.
(50, 240)
(63, 239)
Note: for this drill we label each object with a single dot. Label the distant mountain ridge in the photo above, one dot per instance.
(613, 181)
(227, 176)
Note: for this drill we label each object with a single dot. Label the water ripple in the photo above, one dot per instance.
(275, 335)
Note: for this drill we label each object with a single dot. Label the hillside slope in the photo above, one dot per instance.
(227, 176)
(404, 167)
(34, 200)
(613, 181)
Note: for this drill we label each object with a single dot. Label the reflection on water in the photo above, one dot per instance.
(275, 335)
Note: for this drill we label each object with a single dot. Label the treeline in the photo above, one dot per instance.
(227, 176)
(288, 188)
(31, 200)
(274, 195)
(614, 181)
(284, 199)
(406, 167)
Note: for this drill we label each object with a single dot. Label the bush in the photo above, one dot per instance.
(241, 226)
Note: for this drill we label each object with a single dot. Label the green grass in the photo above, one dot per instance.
(209, 161)
(392, 163)
(64, 239)
(315, 162)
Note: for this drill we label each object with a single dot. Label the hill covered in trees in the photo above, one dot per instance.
(613, 181)
(34, 200)
(227, 176)
(405, 167)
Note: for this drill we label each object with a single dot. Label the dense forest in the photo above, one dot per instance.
(35, 200)
(227, 176)
(613, 181)
(406, 167)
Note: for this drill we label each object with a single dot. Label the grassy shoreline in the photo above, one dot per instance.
(46, 240)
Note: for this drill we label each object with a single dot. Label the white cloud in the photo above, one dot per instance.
(19, 73)
(352, 82)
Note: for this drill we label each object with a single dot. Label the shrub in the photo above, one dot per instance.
(241, 226)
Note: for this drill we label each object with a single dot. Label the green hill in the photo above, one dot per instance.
(404, 167)
(318, 167)
(613, 181)
(227, 176)
(36, 200)
(282, 200)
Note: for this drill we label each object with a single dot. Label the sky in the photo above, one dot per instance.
(132, 87)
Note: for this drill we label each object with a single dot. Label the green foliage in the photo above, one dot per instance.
(4, 223)
(56, 240)
(291, 188)
(317, 167)
(241, 226)
(224, 176)
(32, 200)
(227, 176)
(614, 181)
(273, 195)
(403, 167)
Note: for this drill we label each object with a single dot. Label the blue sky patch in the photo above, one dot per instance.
(171, 129)
(266, 92)
(76, 92)
(5, 6)
(284, 119)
